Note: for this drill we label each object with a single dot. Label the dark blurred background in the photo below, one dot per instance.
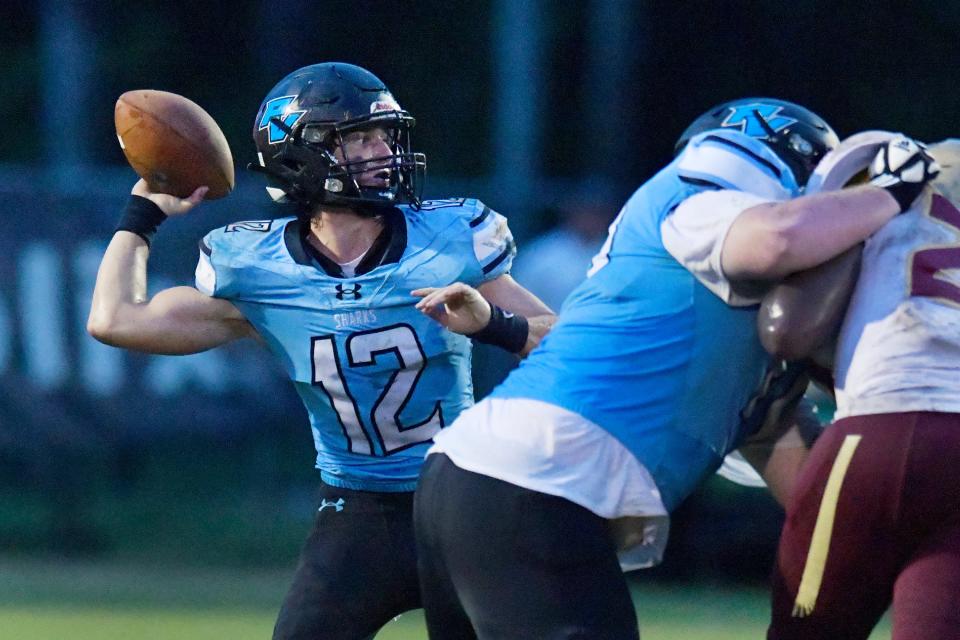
(552, 112)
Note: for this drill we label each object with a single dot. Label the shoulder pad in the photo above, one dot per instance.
(228, 252)
(469, 220)
(446, 211)
(734, 160)
(243, 236)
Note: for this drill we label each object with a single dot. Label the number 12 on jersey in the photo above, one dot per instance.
(364, 349)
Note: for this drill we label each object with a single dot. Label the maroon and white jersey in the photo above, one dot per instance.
(899, 348)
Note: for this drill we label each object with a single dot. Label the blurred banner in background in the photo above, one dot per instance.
(84, 425)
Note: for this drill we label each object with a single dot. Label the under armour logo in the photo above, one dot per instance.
(343, 291)
(338, 505)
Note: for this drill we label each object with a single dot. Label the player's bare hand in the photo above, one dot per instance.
(170, 205)
(459, 307)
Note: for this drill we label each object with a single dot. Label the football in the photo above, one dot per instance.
(805, 311)
(173, 144)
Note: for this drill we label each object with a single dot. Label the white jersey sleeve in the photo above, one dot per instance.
(694, 234)
(205, 275)
(493, 244)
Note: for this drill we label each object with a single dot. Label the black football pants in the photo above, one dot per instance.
(357, 570)
(498, 561)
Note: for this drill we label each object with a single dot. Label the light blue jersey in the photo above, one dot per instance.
(642, 348)
(379, 378)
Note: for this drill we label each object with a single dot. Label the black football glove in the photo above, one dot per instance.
(768, 412)
(903, 167)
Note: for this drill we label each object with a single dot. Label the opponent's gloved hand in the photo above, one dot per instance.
(770, 409)
(903, 167)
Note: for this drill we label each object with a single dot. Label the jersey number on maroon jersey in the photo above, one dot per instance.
(363, 348)
(927, 265)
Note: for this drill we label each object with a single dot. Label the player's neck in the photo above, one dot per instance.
(343, 235)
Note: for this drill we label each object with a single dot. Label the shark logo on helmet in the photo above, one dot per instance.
(747, 118)
(279, 108)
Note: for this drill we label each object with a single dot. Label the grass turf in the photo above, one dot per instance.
(48, 600)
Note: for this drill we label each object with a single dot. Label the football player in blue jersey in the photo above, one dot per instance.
(332, 292)
(640, 389)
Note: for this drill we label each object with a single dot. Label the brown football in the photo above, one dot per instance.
(173, 144)
(804, 313)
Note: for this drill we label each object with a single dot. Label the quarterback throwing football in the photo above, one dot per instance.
(333, 292)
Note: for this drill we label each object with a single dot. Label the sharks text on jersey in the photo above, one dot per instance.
(361, 318)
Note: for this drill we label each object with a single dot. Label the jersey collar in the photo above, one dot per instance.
(386, 249)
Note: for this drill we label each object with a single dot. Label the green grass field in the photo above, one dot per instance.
(83, 601)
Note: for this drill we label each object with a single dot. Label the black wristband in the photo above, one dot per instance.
(141, 216)
(505, 330)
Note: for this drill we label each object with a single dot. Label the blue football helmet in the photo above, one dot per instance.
(798, 136)
(306, 116)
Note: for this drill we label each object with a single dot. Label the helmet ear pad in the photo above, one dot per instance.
(799, 137)
(797, 152)
(299, 171)
(312, 108)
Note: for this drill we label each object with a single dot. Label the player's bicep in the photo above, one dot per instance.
(178, 321)
(696, 233)
(748, 246)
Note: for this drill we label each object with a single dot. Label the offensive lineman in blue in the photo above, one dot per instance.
(637, 392)
(333, 293)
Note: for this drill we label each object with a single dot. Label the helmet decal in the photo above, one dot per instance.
(279, 108)
(384, 103)
(747, 119)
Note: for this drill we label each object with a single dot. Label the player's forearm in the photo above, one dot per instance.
(779, 465)
(771, 241)
(508, 294)
(828, 224)
(121, 284)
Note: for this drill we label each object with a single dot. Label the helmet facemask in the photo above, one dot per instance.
(343, 184)
(796, 151)
(310, 174)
